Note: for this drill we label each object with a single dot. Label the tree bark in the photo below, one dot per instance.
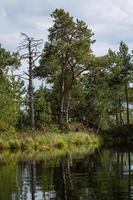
(116, 118)
(127, 101)
(62, 99)
(31, 98)
(120, 113)
(67, 108)
(31, 54)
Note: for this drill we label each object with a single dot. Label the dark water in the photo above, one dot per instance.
(104, 175)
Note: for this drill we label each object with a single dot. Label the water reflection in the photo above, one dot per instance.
(104, 175)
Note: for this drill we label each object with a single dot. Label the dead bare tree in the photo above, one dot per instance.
(29, 51)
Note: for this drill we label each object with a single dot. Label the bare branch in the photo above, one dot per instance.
(36, 59)
(80, 72)
(21, 76)
(25, 73)
(25, 35)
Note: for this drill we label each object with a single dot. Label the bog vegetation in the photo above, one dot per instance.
(77, 86)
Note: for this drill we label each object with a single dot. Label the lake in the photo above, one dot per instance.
(106, 174)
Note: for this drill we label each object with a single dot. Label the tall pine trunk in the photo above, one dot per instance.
(127, 101)
(120, 113)
(62, 99)
(67, 108)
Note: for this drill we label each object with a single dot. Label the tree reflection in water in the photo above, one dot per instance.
(105, 175)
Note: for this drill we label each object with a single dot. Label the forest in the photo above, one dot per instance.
(78, 89)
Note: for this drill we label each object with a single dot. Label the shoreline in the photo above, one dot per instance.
(50, 141)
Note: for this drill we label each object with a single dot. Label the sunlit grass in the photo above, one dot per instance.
(43, 142)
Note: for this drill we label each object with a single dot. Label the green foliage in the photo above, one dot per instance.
(69, 42)
(53, 128)
(7, 60)
(8, 105)
(5, 128)
(42, 108)
(80, 88)
(104, 90)
(66, 55)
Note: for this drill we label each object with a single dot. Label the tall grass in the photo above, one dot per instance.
(49, 141)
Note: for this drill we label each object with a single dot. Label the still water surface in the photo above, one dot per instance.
(105, 175)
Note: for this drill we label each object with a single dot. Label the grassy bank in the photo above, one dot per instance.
(49, 141)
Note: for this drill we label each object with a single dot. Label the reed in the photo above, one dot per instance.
(43, 142)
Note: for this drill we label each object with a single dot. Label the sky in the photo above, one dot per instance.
(110, 20)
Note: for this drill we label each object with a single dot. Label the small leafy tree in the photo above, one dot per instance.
(8, 106)
(43, 113)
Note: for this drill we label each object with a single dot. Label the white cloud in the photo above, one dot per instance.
(111, 21)
(3, 14)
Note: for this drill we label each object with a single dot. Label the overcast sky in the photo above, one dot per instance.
(110, 20)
